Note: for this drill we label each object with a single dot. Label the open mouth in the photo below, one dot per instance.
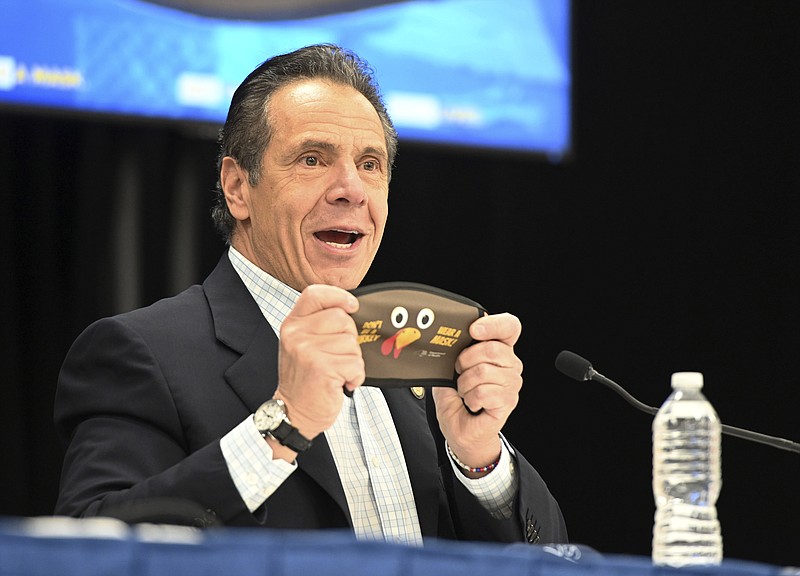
(338, 238)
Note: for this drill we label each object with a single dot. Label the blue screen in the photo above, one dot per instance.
(477, 73)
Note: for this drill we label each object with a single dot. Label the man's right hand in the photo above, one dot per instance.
(319, 355)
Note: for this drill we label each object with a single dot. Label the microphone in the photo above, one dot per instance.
(580, 369)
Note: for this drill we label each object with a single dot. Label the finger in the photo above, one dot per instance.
(491, 396)
(489, 374)
(490, 387)
(470, 410)
(343, 369)
(493, 352)
(318, 297)
(319, 347)
(323, 322)
(504, 327)
(356, 381)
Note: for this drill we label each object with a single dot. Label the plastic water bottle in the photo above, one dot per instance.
(686, 476)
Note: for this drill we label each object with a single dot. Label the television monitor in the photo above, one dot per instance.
(469, 73)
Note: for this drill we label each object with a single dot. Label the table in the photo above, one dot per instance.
(66, 547)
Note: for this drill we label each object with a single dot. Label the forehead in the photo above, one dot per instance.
(323, 109)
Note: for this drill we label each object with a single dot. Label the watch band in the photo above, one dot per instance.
(290, 437)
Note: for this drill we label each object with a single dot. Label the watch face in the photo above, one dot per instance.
(269, 416)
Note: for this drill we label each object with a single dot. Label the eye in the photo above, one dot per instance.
(370, 165)
(311, 161)
(425, 318)
(399, 317)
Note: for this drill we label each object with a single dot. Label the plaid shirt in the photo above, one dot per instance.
(363, 441)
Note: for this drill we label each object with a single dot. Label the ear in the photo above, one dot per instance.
(233, 180)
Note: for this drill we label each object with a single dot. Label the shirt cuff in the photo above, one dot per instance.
(497, 489)
(249, 458)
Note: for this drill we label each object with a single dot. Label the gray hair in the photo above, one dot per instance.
(247, 132)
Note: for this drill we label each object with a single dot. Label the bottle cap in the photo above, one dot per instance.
(690, 380)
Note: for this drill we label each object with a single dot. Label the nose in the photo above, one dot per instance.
(347, 185)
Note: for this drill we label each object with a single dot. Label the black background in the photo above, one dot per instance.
(668, 241)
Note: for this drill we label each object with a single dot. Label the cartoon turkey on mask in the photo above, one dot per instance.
(406, 335)
(412, 332)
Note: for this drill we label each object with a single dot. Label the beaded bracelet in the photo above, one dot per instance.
(460, 464)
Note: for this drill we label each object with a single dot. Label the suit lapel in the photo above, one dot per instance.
(240, 325)
(419, 451)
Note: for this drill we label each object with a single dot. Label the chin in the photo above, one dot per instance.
(347, 281)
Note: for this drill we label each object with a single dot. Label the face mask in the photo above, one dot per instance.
(411, 332)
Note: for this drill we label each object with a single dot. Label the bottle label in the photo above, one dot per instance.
(694, 409)
(688, 511)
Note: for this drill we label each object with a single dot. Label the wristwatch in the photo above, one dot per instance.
(271, 419)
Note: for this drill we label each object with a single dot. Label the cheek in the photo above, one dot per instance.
(379, 209)
(379, 221)
(282, 200)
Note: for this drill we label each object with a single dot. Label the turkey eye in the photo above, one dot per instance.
(425, 318)
(399, 317)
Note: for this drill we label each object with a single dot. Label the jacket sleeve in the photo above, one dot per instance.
(124, 438)
(536, 516)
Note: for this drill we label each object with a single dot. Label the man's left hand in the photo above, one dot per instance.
(489, 381)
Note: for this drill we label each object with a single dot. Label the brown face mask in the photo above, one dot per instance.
(411, 332)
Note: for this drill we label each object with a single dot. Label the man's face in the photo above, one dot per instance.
(320, 208)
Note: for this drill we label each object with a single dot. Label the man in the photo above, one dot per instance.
(243, 396)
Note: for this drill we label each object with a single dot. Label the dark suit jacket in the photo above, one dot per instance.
(144, 397)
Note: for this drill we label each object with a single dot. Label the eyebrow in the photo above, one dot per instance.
(319, 144)
(331, 148)
(380, 152)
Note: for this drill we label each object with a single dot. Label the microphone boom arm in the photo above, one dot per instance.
(773, 441)
(595, 375)
(580, 369)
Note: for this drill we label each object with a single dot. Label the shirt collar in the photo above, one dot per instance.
(274, 298)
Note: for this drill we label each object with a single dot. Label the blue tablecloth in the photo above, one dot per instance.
(65, 547)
